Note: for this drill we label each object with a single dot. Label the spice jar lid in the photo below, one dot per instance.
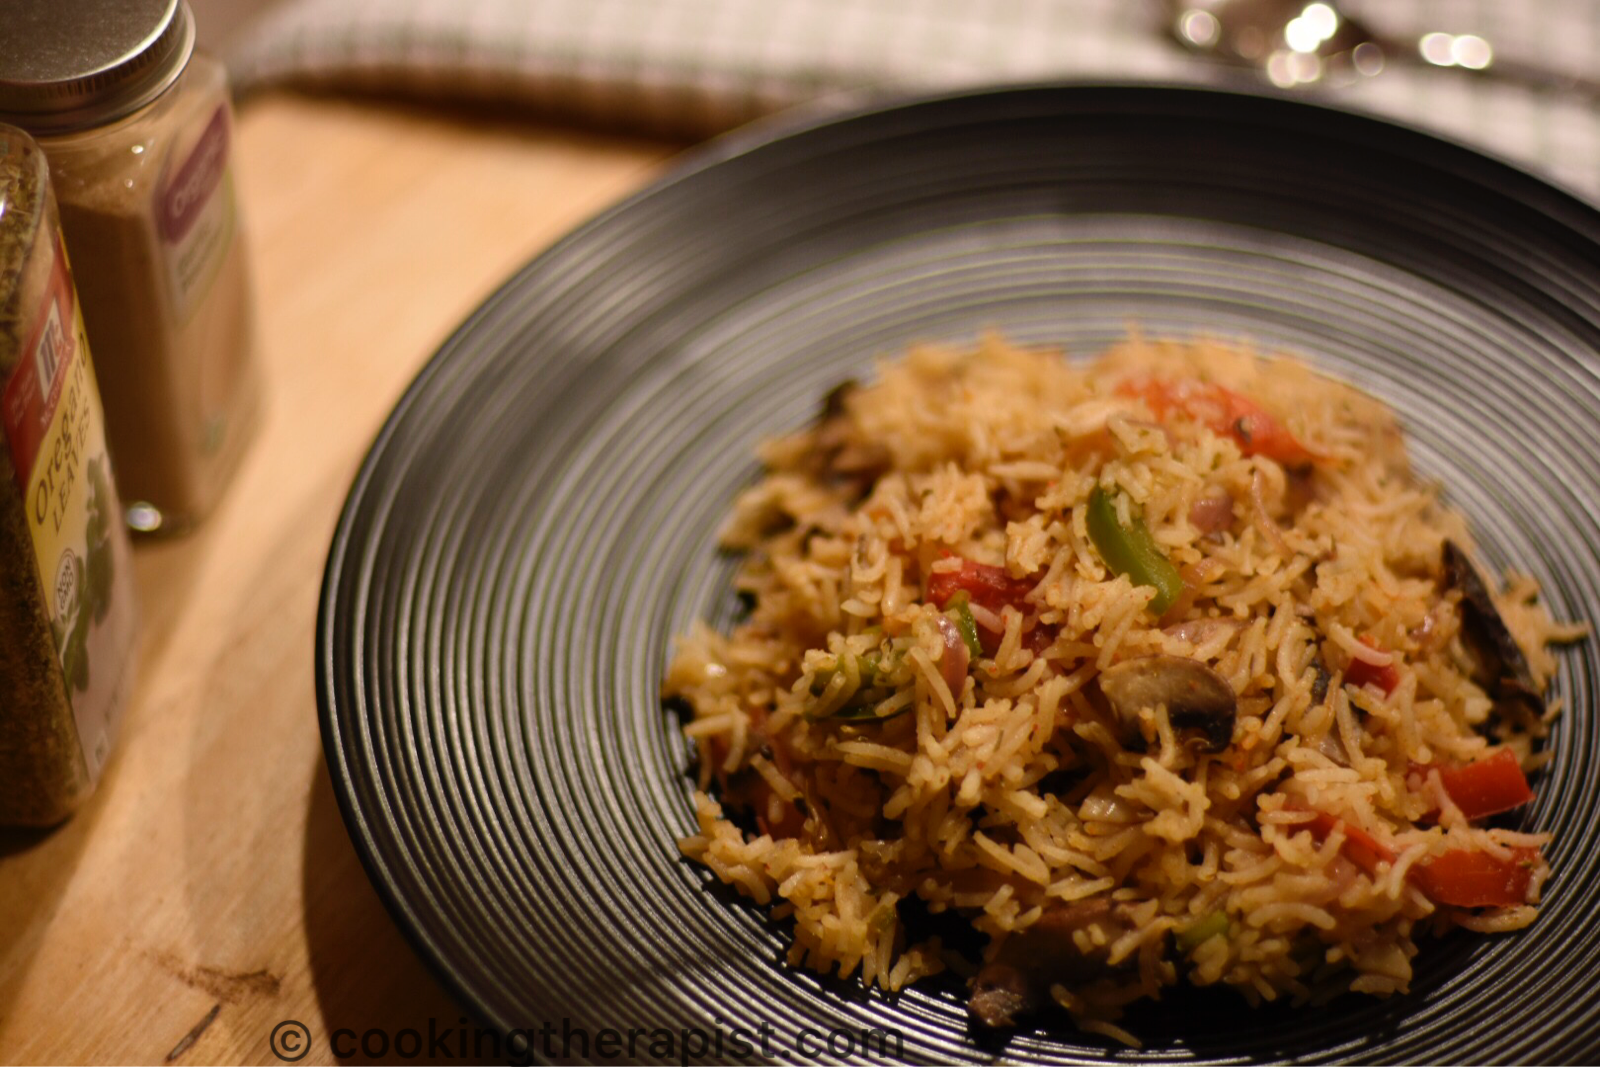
(70, 64)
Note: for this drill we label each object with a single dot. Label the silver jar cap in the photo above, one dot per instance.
(71, 64)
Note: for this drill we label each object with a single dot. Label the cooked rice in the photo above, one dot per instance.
(1021, 792)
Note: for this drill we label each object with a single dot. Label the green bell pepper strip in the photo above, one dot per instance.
(1200, 931)
(1130, 550)
(868, 711)
(862, 705)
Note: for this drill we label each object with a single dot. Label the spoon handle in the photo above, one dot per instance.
(1510, 70)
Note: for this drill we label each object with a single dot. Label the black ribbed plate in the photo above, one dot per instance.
(538, 518)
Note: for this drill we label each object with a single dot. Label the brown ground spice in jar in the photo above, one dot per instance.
(67, 626)
(138, 128)
(183, 389)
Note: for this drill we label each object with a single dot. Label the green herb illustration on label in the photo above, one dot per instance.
(83, 593)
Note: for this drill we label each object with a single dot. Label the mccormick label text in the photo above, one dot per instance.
(186, 195)
(195, 216)
(50, 407)
(33, 394)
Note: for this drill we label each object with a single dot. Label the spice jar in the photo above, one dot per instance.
(67, 619)
(137, 127)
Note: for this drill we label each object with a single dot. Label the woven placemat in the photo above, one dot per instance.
(695, 67)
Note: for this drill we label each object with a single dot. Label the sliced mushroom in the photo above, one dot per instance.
(1017, 981)
(1498, 664)
(1002, 994)
(1196, 697)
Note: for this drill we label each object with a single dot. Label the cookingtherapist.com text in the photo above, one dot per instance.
(291, 1041)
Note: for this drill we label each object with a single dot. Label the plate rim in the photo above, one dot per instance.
(1504, 176)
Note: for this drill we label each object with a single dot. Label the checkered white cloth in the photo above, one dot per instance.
(694, 67)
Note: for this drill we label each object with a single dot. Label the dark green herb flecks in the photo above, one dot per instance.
(46, 673)
(42, 774)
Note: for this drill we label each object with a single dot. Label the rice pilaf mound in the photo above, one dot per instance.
(1159, 667)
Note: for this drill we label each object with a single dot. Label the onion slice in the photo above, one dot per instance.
(953, 664)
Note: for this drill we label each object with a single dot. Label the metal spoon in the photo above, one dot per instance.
(1295, 42)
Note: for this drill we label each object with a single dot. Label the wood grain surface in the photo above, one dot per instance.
(208, 891)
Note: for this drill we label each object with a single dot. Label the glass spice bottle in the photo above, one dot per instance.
(67, 617)
(137, 127)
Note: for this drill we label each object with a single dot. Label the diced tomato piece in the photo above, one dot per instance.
(1360, 673)
(1462, 878)
(1259, 434)
(989, 587)
(1225, 412)
(748, 790)
(1467, 878)
(1360, 847)
(1487, 787)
